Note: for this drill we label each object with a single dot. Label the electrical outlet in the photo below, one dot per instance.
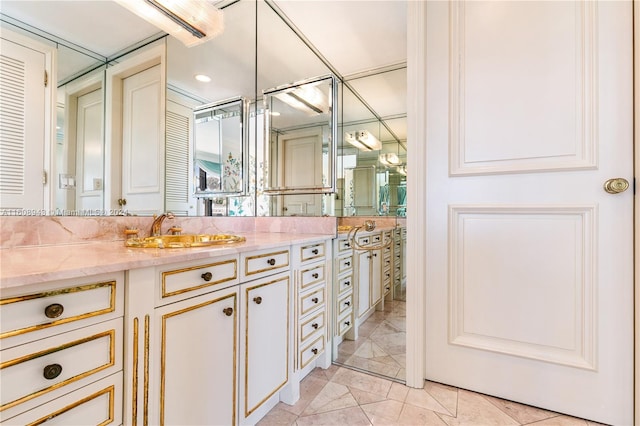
(97, 184)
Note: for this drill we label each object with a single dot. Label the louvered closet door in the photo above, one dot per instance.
(179, 161)
(22, 120)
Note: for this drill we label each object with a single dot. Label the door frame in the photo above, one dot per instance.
(416, 201)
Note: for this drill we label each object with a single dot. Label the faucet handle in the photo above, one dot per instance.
(175, 230)
(131, 233)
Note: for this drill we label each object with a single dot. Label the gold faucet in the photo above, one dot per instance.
(157, 223)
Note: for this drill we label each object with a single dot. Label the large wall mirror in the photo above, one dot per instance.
(258, 51)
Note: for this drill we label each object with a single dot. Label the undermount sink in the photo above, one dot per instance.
(183, 241)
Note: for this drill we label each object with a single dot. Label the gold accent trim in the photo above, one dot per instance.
(16, 361)
(249, 258)
(110, 390)
(134, 386)
(111, 308)
(247, 412)
(164, 348)
(145, 408)
(304, 285)
(315, 256)
(197, 287)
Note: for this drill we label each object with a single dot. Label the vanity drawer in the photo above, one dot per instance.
(59, 364)
(344, 323)
(312, 276)
(345, 303)
(345, 264)
(312, 252)
(222, 272)
(345, 284)
(74, 302)
(99, 403)
(311, 301)
(263, 263)
(311, 352)
(312, 325)
(344, 245)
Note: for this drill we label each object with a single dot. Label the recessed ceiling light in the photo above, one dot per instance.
(203, 78)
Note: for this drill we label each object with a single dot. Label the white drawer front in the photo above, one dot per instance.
(345, 284)
(36, 311)
(259, 264)
(311, 352)
(345, 303)
(311, 301)
(344, 245)
(345, 323)
(311, 326)
(312, 252)
(345, 264)
(35, 369)
(312, 276)
(220, 273)
(99, 403)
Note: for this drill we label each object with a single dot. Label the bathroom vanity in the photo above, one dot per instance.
(158, 336)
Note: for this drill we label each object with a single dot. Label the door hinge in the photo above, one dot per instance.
(46, 78)
(44, 177)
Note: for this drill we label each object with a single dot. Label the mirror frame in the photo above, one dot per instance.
(333, 137)
(244, 146)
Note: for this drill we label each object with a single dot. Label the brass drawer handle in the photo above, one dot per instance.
(315, 351)
(314, 300)
(271, 261)
(207, 276)
(52, 371)
(314, 251)
(258, 300)
(315, 275)
(228, 311)
(54, 310)
(315, 325)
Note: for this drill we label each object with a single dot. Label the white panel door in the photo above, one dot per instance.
(89, 151)
(302, 169)
(529, 261)
(143, 143)
(22, 119)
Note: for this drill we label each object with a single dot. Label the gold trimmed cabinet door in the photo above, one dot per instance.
(265, 342)
(198, 376)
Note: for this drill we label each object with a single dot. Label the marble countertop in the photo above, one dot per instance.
(36, 264)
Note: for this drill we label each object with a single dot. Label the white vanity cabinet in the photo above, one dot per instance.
(61, 353)
(369, 271)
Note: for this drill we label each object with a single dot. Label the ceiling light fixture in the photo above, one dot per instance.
(308, 98)
(202, 77)
(363, 140)
(389, 159)
(190, 21)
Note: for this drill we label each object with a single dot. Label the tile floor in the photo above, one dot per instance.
(381, 344)
(341, 396)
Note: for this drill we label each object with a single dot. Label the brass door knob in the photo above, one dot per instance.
(207, 276)
(258, 300)
(271, 261)
(616, 185)
(52, 371)
(228, 311)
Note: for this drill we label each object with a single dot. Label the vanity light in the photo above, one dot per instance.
(203, 78)
(306, 98)
(363, 140)
(389, 159)
(190, 21)
(274, 113)
(402, 170)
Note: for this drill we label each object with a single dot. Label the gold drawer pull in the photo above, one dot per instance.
(258, 300)
(207, 276)
(314, 300)
(52, 371)
(315, 325)
(315, 275)
(54, 310)
(228, 311)
(271, 261)
(315, 351)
